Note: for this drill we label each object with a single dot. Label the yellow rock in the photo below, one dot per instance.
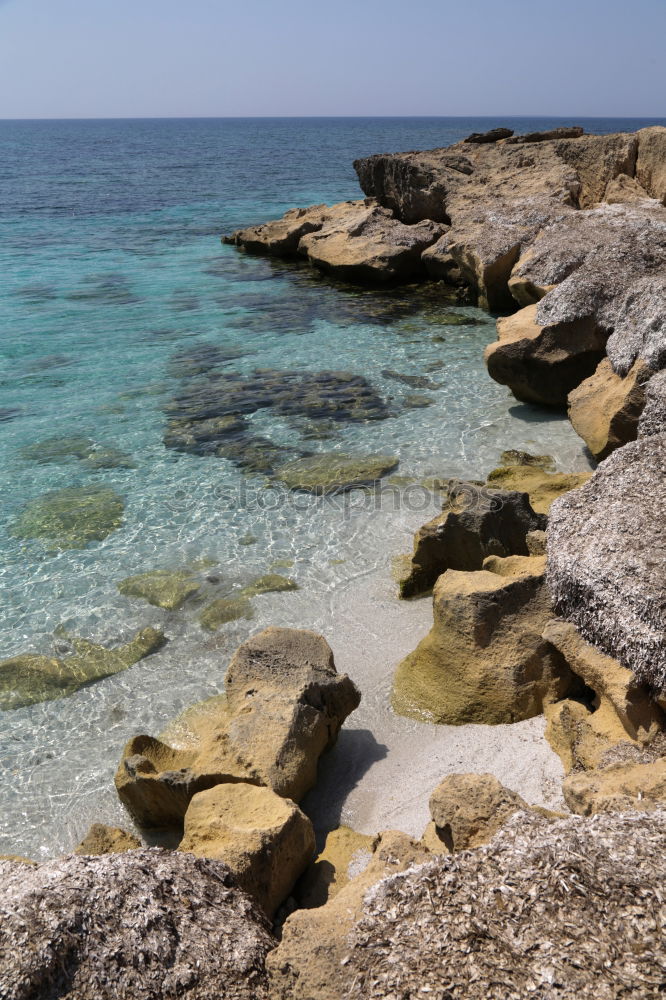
(101, 839)
(605, 408)
(468, 809)
(345, 855)
(618, 788)
(543, 487)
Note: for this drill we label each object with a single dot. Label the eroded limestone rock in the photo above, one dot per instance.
(484, 659)
(283, 706)
(618, 788)
(264, 839)
(604, 409)
(102, 839)
(542, 487)
(468, 809)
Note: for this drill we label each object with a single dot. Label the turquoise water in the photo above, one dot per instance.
(111, 263)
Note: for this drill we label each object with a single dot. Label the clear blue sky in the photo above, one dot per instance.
(106, 58)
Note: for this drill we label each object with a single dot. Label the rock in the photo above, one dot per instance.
(476, 522)
(202, 437)
(604, 409)
(311, 958)
(333, 472)
(283, 706)
(581, 737)
(282, 237)
(267, 584)
(543, 364)
(653, 417)
(265, 840)
(101, 839)
(225, 609)
(469, 809)
(536, 543)
(624, 189)
(28, 678)
(513, 457)
(582, 898)
(493, 135)
(346, 854)
(164, 588)
(58, 449)
(563, 132)
(70, 518)
(617, 692)
(542, 487)
(149, 923)
(606, 544)
(484, 660)
(618, 788)
(370, 246)
(651, 162)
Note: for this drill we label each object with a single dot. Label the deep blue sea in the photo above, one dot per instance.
(111, 265)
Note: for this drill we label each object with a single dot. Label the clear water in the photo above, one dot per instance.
(111, 262)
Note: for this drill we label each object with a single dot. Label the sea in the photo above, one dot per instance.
(115, 289)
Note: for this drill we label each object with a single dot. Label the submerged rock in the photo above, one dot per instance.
(476, 522)
(264, 839)
(29, 678)
(269, 583)
(484, 660)
(283, 706)
(143, 924)
(164, 588)
(223, 610)
(108, 458)
(58, 449)
(70, 518)
(606, 556)
(333, 472)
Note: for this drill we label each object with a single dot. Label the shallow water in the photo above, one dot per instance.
(113, 272)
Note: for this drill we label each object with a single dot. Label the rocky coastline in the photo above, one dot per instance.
(548, 600)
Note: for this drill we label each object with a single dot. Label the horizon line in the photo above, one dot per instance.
(508, 117)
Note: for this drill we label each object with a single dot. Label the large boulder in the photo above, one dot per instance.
(484, 659)
(146, 925)
(29, 678)
(283, 706)
(264, 839)
(476, 522)
(568, 908)
(604, 409)
(606, 554)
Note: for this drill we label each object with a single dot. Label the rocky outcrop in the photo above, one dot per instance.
(484, 659)
(355, 240)
(548, 908)
(29, 678)
(543, 363)
(476, 522)
(604, 410)
(101, 839)
(346, 855)
(492, 135)
(542, 487)
(618, 788)
(606, 554)
(143, 924)
(284, 704)
(264, 839)
(311, 959)
(467, 810)
(651, 162)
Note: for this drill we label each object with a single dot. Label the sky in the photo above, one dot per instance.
(154, 58)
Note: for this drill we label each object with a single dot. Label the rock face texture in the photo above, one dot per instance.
(542, 487)
(265, 840)
(618, 788)
(547, 908)
(468, 809)
(476, 522)
(283, 706)
(101, 839)
(604, 409)
(606, 558)
(145, 925)
(653, 417)
(484, 659)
